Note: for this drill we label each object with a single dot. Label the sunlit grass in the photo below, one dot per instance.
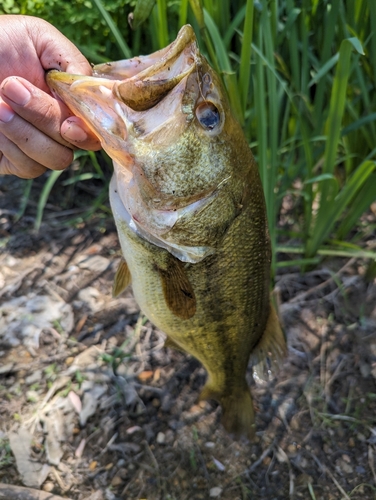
(306, 109)
(300, 77)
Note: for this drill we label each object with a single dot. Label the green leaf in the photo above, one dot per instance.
(356, 45)
(319, 178)
(114, 30)
(245, 57)
(363, 200)
(53, 177)
(141, 13)
(324, 69)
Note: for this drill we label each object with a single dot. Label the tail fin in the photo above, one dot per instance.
(271, 348)
(238, 416)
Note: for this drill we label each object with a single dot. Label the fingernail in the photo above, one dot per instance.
(16, 92)
(6, 113)
(74, 133)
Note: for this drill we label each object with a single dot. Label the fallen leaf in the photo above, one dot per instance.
(145, 376)
(215, 492)
(33, 473)
(219, 465)
(80, 449)
(54, 429)
(75, 400)
(90, 402)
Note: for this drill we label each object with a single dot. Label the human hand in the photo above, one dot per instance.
(37, 131)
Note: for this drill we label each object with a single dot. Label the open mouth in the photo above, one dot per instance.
(146, 80)
(140, 83)
(113, 100)
(143, 97)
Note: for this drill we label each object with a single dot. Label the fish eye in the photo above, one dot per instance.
(208, 115)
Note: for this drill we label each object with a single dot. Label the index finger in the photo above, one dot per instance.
(43, 111)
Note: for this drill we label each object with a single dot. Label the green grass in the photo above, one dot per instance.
(300, 76)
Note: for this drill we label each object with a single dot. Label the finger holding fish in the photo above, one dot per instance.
(30, 126)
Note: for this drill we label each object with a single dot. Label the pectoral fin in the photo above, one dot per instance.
(122, 279)
(178, 292)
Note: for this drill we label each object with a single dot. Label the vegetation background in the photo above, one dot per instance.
(300, 75)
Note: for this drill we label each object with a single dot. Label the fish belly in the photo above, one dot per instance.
(231, 290)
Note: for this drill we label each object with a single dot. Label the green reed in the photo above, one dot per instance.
(300, 77)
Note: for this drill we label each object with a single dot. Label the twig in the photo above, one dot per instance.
(17, 282)
(109, 443)
(370, 462)
(284, 458)
(155, 390)
(345, 495)
(263, 455)
(59, 481)
(35, 364)
(9, 492)
(56, 386)
(151, 455)
(335, 375)
(301, 297)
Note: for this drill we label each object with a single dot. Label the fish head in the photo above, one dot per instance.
(181, 163)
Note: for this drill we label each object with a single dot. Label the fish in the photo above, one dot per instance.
(190, 213)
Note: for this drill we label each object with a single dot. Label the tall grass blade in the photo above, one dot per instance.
(24, 200)
(364, 199)
(141, 12)
(322, 223)
(183, 12)
(163, 37)
(123, 46)
(273, 99)
(245, 57)
(198, 12)
(324, 70)
(54, 175)
(327, 251)
(330, 23)
(233, 26)
(220, 54)
(372, 18)
(223, 64)
(292, 34)
(344, 198)
(338, 100)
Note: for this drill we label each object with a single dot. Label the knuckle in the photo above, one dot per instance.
(43, 114)
(60, 158)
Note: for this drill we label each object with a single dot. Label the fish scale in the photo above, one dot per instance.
(189, 208)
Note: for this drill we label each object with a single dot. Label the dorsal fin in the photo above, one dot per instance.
(122, 278)
(178, 292)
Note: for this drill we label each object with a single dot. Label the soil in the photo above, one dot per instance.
(92, 406)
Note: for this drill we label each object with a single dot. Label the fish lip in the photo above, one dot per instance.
(160, 73)
(154, 63)
(140, 65)
(140, 92)
(158, 77)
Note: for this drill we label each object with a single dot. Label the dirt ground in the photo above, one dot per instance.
(92, 406)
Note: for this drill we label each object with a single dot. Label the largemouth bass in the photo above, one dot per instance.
(189, 209)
